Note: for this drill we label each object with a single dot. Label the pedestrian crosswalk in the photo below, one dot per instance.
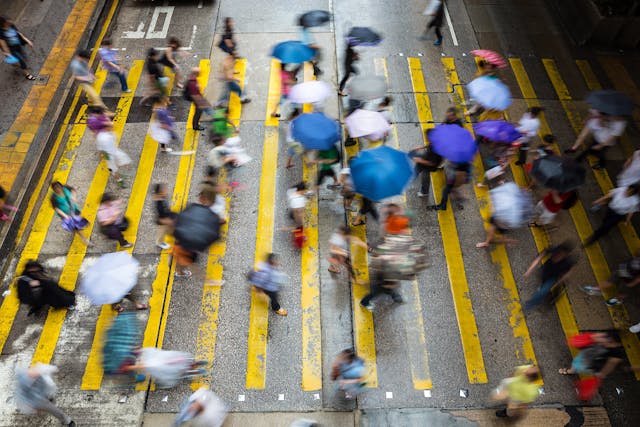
(474, 288)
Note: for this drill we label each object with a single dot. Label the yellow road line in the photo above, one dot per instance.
(40, 228)
(310, 280)
(69, 276)
(259, 313)
(210, 306)
(524, 348)
(621, 80)
(540, 237)
(451, 244)
(413, 325)
(593, 84)
(598, 263)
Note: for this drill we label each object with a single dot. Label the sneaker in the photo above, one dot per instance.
(198, 128)
(163, 245)
(591, 290)
(71, 308)
(369, 306)
(437, 42)
(127, 245)
(186, 273)
(635, 328)
(282, 312)
(245, 101)
(333, 186)
(310, 193)
(126, 91)
(611, 302)
(167, 150)
(421, 194)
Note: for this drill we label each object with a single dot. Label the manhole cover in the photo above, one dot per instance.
(42, 80)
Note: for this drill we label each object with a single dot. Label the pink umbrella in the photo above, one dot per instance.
(491, 57)
(367, 123)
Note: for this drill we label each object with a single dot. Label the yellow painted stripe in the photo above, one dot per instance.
(598, 263)
(621, 80)
(524, 348)
(310, 280)
(540, 237)
(593, 84)
(38, 232)
(259, 314)
(55, 318)
(451, 244)
(210, 306)
(416, 339)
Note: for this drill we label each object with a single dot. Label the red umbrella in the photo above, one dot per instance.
(491, 57)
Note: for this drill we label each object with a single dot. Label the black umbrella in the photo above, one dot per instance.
(363, 36)
(610, 102)
(314, 18)
(558, 173)
(197, 228)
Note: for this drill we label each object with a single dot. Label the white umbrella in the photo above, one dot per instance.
(490, 92)
(512, 206)
(367, 87)
(366, 123)
(309, 92)
(110, 278)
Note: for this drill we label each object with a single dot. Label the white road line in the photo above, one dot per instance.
(152, 33)
(193, 36)
(453, 33)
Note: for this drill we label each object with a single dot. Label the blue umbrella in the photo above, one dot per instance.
(453, 142)
(314, 18)
(293, 52)
(497, 130)
(381, 172)
(316, 131)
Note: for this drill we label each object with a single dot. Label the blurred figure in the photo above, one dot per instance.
(623, 278)
(203, 409)
(231, 83)
(367, 206)
(165, 217)
(194, 94)
(599, 357)
(350, 372)
(622, 203)
(169, 59)
(11, 42)
(157, 86)
(426, 161)
(396, 221)
(600, 132)
(631, 171)
(297, 200)
(221, 126)
(162, 125)
(350, 57)
(517, 391)
(35, 391)
(295, 148)
(111, 219)
(167, 367)
(325, 161)
(554, 270)
(380, 285)
(4, 207)
(227, 42)
(114, 156)
(306, 38)
(451, 117)
(528, 126)
(63, 200)
(287, 80)
(85, 78)
(384, 108)
(98, 120)
(553, 202)
(110, 63)
(339, 252)
(347, 190)
(267, 279)
(37, 289)
(456, 174)
(435, 9)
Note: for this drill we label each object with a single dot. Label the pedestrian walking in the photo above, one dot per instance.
(624, 278)
(325, 161)
(267, 279)
(426, 161)
(287, 80)
(231, 83)
(114, 156)
(554, 270)
(4, 207)
(600, 132)
(194, 94)
(451, 117)
(35, 391)
(518, 391)
(631, 171)
(599, 355)
(98, 120)
(350, 57)
(350, 371)
(162, 125)
(339, 252)
(307, 39)
(528, 126)
(110, 63)
(367, 207)
(384, 108)
(11, 42)
(551, 204)
(435, 10)
(227, 42)
(112, 220)
(65, 205)
(165, 217)
(347, 188)
(396, 220)
(381, 286)
(157, 82)
(622, 203)
(221, 126)
(456, 174)
(202, 409)
(170, 59)
(37, 290)
(294, 148)
(85, 78)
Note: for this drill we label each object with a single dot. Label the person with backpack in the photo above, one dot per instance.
(551, 204)
(221, 126)
(625, 277)
(112, 220)
(63, 200)
(267, 279)
(426, 161)
(36, 289)
(599, 355)
(193, 93)
(350, 372)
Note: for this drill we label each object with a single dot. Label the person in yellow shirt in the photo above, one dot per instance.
(518, 391)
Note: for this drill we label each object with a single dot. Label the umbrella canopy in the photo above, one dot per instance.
(363, 36)
(610, 102)
(309, 92)
(110, 278)
(366, 123)
(497, 130)
(558, 173)
(512, 205)
(293, 52)
(316, 131)
(314, 18)
(453, 142)
(381, 172)
(491, 57)
(197, 227)
(490, 92)
(367, 87)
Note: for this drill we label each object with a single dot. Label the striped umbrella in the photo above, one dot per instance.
(491, 57)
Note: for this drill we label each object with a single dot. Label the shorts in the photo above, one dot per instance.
(165, 61)
(501, 230)
(579, 365)
(184, 256)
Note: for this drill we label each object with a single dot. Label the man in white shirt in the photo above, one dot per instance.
(605, 131)
(528, 126)
(623, 202)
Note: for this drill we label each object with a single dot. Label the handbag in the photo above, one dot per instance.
(11, 60)
(587, 388)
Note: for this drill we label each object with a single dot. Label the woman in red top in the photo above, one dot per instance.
(287, 80)
(549, 206)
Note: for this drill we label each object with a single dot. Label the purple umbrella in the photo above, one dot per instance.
(453, 142)
(497, 130)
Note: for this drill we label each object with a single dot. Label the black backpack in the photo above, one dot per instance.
(571, 201)
(185, 91)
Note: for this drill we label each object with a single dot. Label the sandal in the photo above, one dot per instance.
(118, 308)
(179, 85)
(30, 77)
(333, 270)
(142, 306)
(360, 222)
(564, 371)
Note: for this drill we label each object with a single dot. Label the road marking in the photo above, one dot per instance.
(618, 313)
(451, 244)
(210, 306)
(162, 33)
(310, 280)
(416, 339)
(69, 276)
(621, 80)
(524, 348)
(259, 313)
(450, 24)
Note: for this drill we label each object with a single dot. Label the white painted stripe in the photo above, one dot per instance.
(453, 33)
